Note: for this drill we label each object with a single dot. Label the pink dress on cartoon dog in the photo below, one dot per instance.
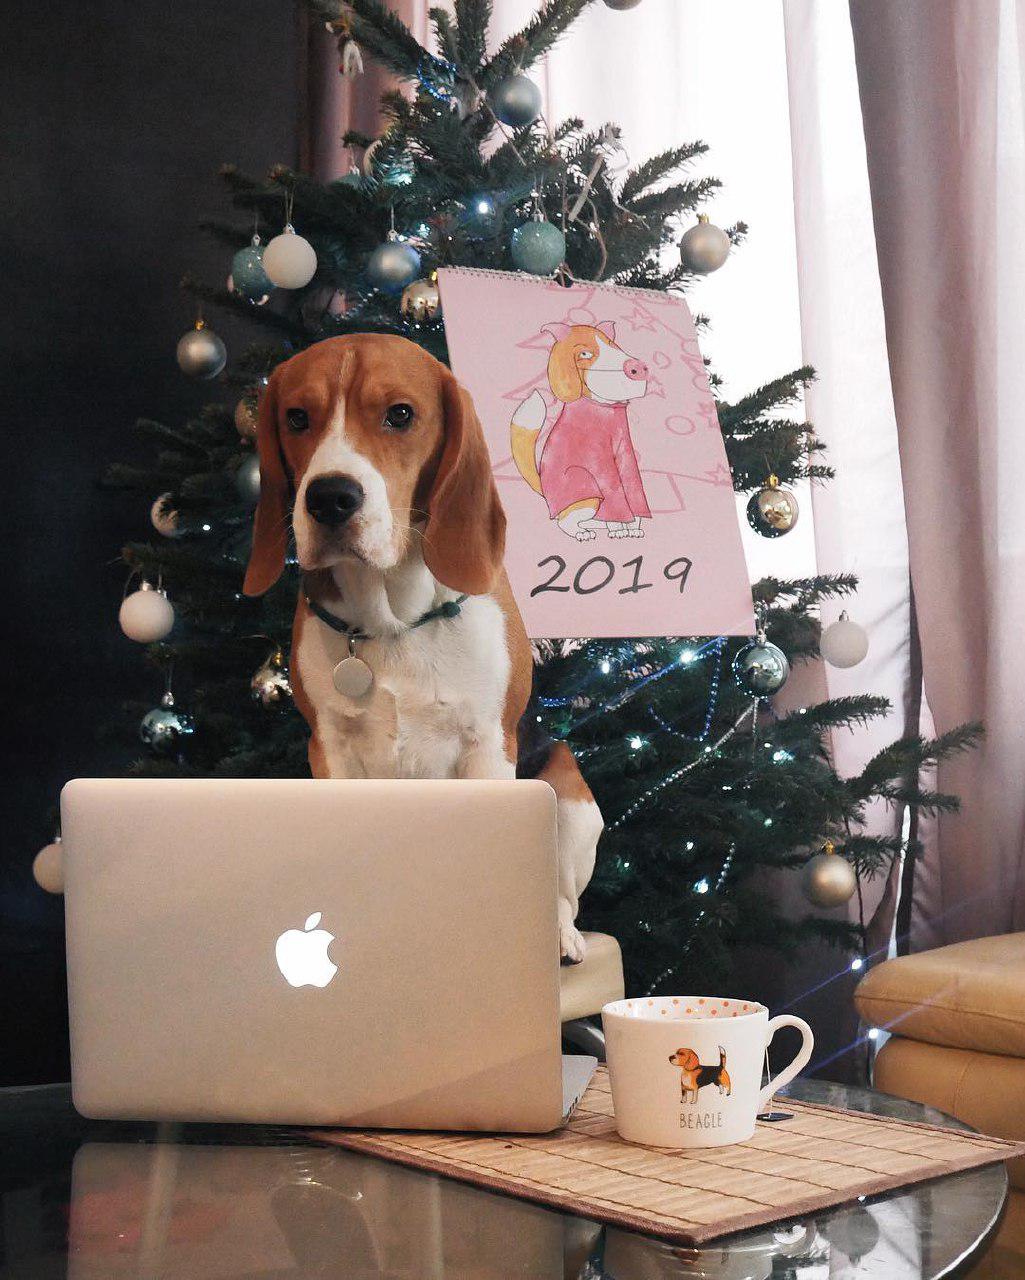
(589, 454)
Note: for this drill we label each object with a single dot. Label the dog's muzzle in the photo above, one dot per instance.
(332, 500)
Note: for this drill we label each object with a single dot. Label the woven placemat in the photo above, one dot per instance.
(823, 1156)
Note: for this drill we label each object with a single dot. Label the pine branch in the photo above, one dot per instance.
(473, 17)
(658, 167)
(537, 38)
(780, 391)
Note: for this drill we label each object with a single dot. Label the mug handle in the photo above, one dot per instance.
(804, 1053)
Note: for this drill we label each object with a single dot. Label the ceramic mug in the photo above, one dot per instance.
(687, 1070)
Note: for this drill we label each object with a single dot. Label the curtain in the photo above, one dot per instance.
(941, 95)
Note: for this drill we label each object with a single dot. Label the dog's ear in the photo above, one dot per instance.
(608, 328)
(564, 377)
(464, 540)
(688, 1058)
(270, 525)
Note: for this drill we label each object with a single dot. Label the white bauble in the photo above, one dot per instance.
(146, 615)
(165, 518)
(289, 260)
(48, 867)
(844, 643)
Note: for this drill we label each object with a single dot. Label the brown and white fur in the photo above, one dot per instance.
(425, 526)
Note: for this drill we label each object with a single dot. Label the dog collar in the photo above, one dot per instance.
(352, 676)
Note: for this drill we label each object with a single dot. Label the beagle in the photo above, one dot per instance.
(371, 450)
(693, 1076)
(587, 471)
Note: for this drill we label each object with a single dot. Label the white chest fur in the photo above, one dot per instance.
(435, 708)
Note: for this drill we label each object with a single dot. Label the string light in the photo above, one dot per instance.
(701, 886)
(636, 743)
(857, 964)
(484, 206)
(606, 666)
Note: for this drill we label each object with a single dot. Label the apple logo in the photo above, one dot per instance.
(302, 955)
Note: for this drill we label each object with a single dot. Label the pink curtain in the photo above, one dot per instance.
(941, 96)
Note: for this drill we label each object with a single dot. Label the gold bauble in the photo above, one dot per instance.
(270, 685)
(245, 416)
(773, 510)
(828, 880)
(421, 300)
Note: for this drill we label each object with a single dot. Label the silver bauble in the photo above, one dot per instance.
(772, 511)
(705, 247)
(146, 615)
(421, 301)
(247, 479)
(200, 353)
(516, 101)
(164, 518)
(844, 644)
(761, 668)
(393, 265)
(246, 412)
(827, 880)
(270, 685)
(48, 867)
(622, 4)
(165, 729)
(290, 261)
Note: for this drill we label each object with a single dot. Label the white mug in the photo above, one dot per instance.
(687, 1070)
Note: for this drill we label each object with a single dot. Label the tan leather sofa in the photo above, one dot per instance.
(585, 987)
(957, 1021)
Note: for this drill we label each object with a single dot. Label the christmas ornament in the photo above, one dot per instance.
(164, 517)
(705, 247)
(200, 353)
(772, 511)
(351, 55)
(828, 880)
(165, 728)
(516, 101)
(421, 300)
(844, 643)
(48, 867)
(289, 260)
(538, 246)
(246, 415)
(270, 685)
(622, 4)
(247, 479)
(761, 667)
(146, 615)
(393, 264)
(248, 278)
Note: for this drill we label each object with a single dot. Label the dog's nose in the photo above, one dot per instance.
(333, 499)
(637, 370)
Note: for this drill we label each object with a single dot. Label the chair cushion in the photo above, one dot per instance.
(970, 995)
(985, 1090)
(596, 980)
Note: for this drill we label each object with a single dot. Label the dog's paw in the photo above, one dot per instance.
(635, 533)
(572, 947)
(585, 535)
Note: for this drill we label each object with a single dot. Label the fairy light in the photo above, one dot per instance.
(636, 743)
(857, 964)
(605, 666)
(484, 206)
(702, 886)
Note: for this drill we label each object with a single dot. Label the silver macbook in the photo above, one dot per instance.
(379, 954)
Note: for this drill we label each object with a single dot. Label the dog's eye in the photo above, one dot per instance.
(587, 355)
(399, 417)
(297, 419)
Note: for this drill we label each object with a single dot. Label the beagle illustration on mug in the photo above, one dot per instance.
(686, 1071)
(586, 470)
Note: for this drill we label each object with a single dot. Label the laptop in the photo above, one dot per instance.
(377, 954)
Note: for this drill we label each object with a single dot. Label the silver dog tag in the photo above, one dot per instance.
(352, 676)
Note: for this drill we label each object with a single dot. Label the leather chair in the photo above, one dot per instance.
(585, 987)
(957, 1021)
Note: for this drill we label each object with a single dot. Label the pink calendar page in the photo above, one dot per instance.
(607, 454)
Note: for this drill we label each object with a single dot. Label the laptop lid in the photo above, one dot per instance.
(371, 953)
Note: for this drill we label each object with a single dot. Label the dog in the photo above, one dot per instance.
(587, 472)
(693, 1076)
(372, 452)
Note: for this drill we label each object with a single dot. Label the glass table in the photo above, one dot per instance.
(94, 1200)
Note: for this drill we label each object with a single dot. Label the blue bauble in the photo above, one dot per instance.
(393, 265)
(516, 101)
(248, 276)
(761, 668)
(538, 247)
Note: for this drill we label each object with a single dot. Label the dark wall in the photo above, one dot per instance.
(115, 117)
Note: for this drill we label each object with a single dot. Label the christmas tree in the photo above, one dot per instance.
(700, 782)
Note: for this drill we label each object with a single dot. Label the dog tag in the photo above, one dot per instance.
(352, 676)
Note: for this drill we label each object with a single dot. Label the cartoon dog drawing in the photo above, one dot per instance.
(693, 1076)
(587, 472)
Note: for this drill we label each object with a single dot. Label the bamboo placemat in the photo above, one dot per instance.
(822, 1157)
